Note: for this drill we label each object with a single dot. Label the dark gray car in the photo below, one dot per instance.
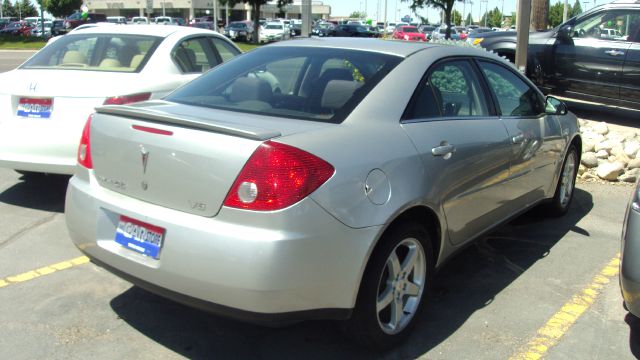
(630, 264)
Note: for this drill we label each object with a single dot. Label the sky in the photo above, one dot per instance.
(397, 8)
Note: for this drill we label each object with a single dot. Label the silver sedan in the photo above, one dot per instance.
(319, 179)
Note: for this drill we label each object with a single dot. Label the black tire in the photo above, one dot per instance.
(368, 325)
(561, 201)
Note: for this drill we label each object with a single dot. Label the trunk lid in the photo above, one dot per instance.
(181, 157)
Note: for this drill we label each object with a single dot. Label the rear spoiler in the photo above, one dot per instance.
(192, 122)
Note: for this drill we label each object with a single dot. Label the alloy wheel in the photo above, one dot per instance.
(401, 286)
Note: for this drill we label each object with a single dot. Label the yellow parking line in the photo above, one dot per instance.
(549, 335)
(47, 270)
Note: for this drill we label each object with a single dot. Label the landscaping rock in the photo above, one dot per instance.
(601, 128)
(589, 160)
(602, 154)
(630, 176)
(631, 148)
(634, 164)
(604, 145)
(610, 171)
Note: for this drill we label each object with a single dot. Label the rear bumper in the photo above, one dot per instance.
(296, 264)
(52, 151)
(630, 264)
(47, 145)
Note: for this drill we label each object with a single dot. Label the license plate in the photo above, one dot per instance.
(139, 236)
(35, 108)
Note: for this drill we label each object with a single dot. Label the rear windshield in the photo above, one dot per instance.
(96, 52)
(408, 29)
(320, 84)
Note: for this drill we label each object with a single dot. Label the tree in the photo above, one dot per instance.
(456, 17)
(62, 8)
(539, 14)
(255, 12)
(493, 18)
(358, 15)
(444, 5)
(27, 9)
(8, 9)
(576, 9)
(555, 14)
(469, 19)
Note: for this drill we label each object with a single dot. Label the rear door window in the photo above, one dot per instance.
(195, 55)
(451, 89)
(226, 50)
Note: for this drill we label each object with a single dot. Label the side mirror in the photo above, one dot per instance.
(554, 106)
(565, 33)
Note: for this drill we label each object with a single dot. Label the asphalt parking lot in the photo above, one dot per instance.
(532, 284)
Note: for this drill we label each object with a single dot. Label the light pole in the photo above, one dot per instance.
(163, 13)
(215, 14)
(395, 19)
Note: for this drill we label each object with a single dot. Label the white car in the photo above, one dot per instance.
(139, 20)
(53, 93)
(274, 31)
(37, 30)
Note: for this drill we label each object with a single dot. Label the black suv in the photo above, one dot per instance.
(594, 56)
(352, 30)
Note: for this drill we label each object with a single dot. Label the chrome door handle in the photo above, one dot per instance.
(443, 150)
(517, 139)
(614, 52)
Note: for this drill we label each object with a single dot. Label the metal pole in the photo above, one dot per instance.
(163, 14)
(226, 14)
(565, 11)
(522, 40)
(385, 19)
(215, 14)
(464, 7)
(306, 18)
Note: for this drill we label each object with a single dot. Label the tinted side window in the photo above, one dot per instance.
(451, 90)
(194, 56)
(619, 25)
(515, 97)
(225, 50)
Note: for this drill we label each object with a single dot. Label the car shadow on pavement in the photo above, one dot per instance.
(468, 283)
(634, 334)
(39, 192)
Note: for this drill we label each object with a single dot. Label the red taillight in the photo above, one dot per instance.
(127, 99)
(277, 176)
(84, 150)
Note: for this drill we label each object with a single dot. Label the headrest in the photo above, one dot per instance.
(338, 92)
(246, 88)
(74, 57)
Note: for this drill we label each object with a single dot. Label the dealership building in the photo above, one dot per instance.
(189, 9)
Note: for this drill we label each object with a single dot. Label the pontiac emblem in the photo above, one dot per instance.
(145, 157)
